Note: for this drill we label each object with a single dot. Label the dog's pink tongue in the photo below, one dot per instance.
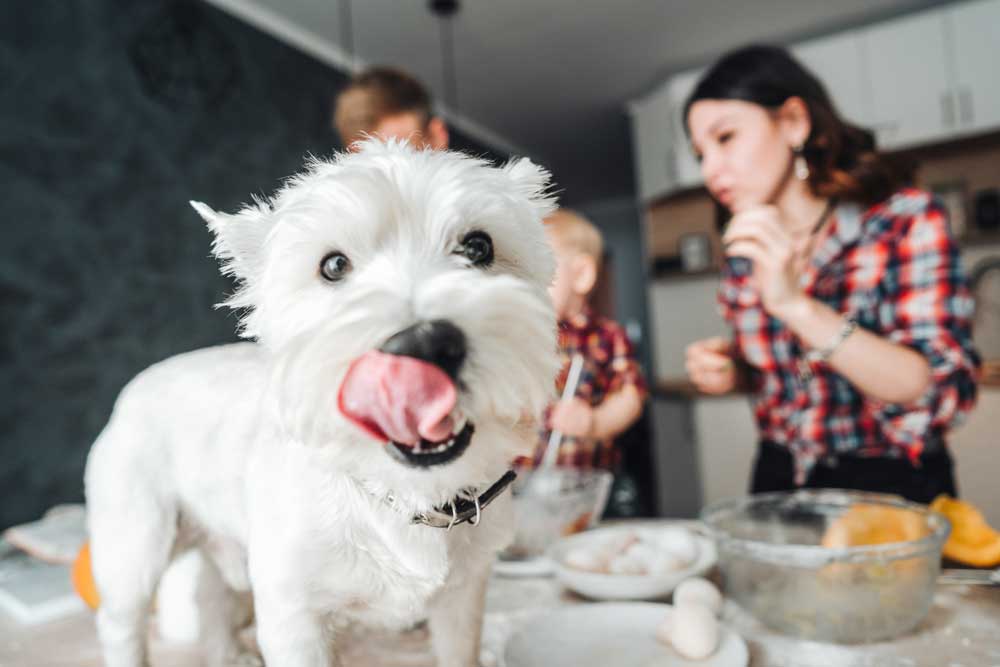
(398, 398)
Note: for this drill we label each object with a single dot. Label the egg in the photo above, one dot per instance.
(645, 553)
(680, 544)
(665, 564)
(618, 544)
(626, 564)
(694, 631)
(699, 591)
(589, 560)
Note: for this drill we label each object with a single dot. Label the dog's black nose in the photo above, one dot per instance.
(437, 341)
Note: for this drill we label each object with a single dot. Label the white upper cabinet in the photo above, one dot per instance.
(975, 36)
(840, 63)
(911, 89)
(688, 169)
(652, 146)
(920, 79)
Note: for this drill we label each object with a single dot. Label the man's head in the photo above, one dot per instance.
(578, 248)
(388, 103)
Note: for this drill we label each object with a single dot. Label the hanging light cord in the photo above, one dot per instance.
(347, 31)
(448, 61)
(446, 10)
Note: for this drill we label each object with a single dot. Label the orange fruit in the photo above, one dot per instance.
(83, 578)
(866, 524)
(972, 541)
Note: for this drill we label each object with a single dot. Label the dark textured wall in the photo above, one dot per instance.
(113, 114)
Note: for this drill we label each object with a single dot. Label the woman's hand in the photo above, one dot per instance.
(574, 418)
(710, 366)
(757, 234)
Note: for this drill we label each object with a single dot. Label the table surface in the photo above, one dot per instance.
(962, 630)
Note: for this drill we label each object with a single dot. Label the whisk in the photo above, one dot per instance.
(569, 391)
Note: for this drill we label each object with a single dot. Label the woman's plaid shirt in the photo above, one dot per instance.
(895, 269)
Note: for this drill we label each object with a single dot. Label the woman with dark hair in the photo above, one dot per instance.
(848, 306)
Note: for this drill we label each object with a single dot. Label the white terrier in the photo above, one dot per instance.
(402, 324)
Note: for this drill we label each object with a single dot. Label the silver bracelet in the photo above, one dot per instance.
(824, 353)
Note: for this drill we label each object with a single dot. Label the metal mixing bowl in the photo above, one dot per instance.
(774, 566)
(549, 504)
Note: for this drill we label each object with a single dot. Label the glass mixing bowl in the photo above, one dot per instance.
(775, 565)
(552, 503)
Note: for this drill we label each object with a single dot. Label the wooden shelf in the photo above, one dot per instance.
(991, 374)
(656, 274)
(679, 388)
(682, 388)
(979, 239)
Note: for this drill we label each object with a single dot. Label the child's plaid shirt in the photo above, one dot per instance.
(609, 365)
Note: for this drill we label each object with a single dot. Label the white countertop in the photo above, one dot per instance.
(963, 630)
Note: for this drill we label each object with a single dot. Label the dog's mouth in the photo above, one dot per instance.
(409, 405)
(426, 454)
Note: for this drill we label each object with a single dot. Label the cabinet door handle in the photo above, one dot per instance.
(965, 107)
(948, 108)
(672, 166)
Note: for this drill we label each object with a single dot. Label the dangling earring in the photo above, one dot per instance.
(801, 166)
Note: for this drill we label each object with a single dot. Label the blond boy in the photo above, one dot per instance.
(609, 396)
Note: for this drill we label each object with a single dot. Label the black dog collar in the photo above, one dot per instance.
(462, 508)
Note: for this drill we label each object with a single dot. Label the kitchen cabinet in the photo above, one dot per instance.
(726, 437)
(911, 88)
(840, 62)
(652, 145)
(934, 75)
(920, 79)
(682, 310)
(675, 457)
(975, 36)
(687, 169)
(664, 161)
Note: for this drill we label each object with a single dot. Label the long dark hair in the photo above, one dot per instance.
(843, 160)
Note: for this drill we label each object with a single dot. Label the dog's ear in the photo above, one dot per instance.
(238, 238)
(239, 246)
(532, 181)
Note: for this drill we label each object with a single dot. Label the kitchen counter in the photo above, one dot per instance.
(963, 630)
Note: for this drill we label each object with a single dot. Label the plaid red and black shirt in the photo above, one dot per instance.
(895, 269)
(609, 365)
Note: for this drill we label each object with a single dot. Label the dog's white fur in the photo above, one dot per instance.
(241, 451)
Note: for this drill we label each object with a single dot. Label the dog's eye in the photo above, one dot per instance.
(477, 247)
(334, 266)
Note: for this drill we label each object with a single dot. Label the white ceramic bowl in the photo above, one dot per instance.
(600, 586)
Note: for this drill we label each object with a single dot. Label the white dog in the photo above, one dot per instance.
(398, 302)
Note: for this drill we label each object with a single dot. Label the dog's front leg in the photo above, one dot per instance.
(289, 633)
(456, 619)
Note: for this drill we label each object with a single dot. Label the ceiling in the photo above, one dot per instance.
(550, 78)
